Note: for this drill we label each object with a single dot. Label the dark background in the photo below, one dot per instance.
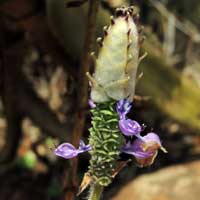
(44, 54)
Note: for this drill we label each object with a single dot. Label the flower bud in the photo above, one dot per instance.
(117, 62)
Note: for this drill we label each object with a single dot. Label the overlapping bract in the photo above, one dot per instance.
(143, 148)
(117, 62)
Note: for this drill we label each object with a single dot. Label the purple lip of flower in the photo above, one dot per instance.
(144, 150)
(130, 127)
(83, 147)
(91, 103)
(67, 150)
(123, 107)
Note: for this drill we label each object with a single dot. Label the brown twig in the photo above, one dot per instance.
(83, 96)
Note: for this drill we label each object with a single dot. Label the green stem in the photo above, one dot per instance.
(95, 192)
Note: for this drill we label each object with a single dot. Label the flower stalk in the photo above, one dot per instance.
(95, 192)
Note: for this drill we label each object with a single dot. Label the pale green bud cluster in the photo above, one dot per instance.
(118, 59)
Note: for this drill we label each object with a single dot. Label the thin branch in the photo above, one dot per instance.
(83, 95)
(186, 26)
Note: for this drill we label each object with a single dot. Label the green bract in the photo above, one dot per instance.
(117, 62)
(106, 141)
(114, 79)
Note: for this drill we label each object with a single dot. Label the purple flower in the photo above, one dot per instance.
(127, 126)
(144, 149)
(67, 150)
(130, 127)
(91, 103)
(83, 147)
(123, 107)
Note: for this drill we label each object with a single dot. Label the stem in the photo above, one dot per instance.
(83, 94)
(95, 192)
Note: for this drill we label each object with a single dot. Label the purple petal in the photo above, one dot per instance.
(152, 141)
(91, 103)
(66, 150)
(130, 127)
(144, 149)
(136, 150)
(81, 144)
(123, 107)
(83, 147)
(152, 137)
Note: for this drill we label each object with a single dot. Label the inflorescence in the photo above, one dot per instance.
(143, 148)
